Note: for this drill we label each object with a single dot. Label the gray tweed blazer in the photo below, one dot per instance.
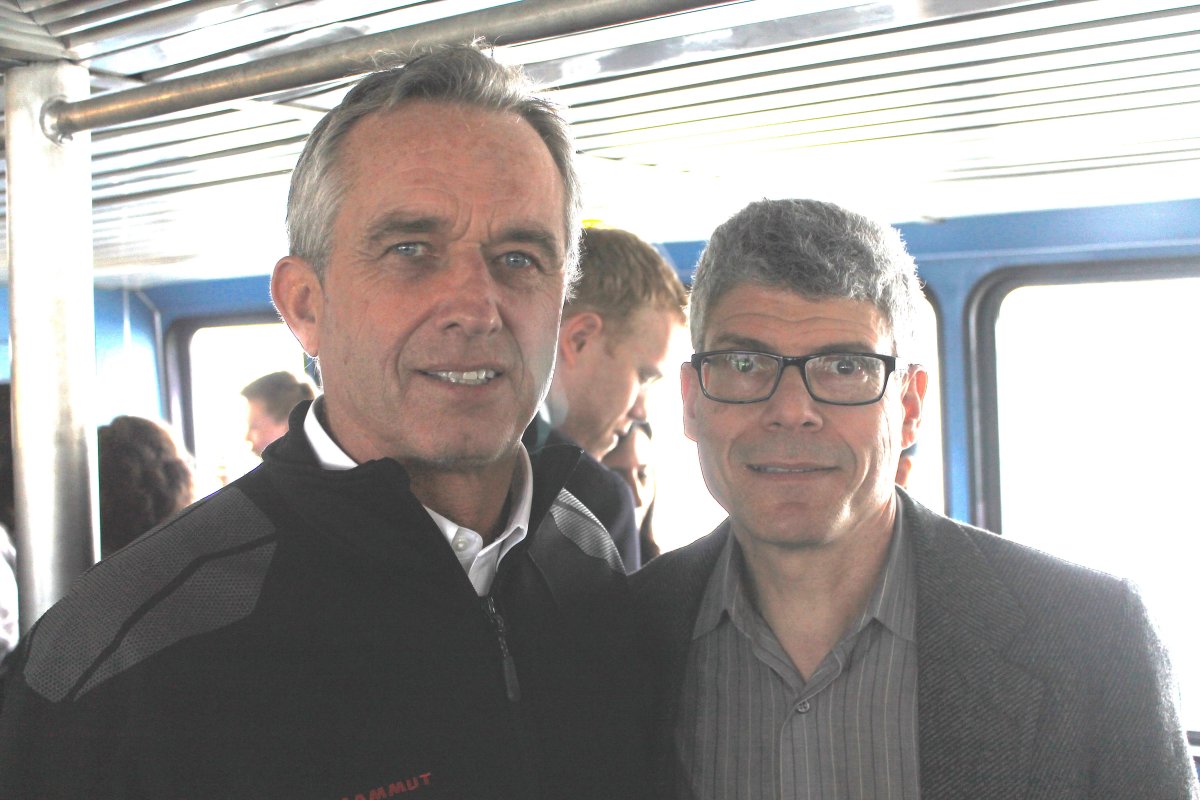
(1037, 678)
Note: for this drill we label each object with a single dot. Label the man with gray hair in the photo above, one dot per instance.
(877, 649)
(400, 599)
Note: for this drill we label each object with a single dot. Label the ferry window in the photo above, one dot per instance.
(926, 481)
(684, 510)
(224, 358)
(1098, 437)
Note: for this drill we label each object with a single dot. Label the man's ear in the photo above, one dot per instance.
(913, 401)
(297, 293)
(578, 332)
(689, 385)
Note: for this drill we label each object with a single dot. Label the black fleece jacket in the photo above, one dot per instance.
(306, 633)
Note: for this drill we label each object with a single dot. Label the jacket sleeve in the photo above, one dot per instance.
(54, 749)
(24, 716)
(1139, 743)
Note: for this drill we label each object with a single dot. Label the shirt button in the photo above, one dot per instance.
(803, 707)
(461, 543)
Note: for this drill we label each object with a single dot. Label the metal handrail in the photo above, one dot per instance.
(515, 23)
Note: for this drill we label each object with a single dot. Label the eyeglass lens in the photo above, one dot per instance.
(831, 378)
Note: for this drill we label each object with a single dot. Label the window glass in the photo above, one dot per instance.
(224, 358)
(684, 510)
(1099, 436)
(926, 479)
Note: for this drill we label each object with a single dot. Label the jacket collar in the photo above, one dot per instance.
(380, 489)
(551, 465)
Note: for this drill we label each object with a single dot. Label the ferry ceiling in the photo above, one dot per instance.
(684, 111)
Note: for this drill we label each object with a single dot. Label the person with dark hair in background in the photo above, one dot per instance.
(874, 644)
(143, 480)
(613, 343)
(632, 459)
(270, 399)
(400, 599)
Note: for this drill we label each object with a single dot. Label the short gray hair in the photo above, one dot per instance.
(815, 249)
(461, 75)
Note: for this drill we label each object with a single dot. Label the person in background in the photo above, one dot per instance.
(143, 480)
(632, 459)
(875, 644)
(269, 400)
(613, 344)
(400, 599)
(615, 334)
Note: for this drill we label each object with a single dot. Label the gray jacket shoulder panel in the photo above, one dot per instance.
(198, 572)
(580, 525)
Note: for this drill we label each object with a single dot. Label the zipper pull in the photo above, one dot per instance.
(511, 684)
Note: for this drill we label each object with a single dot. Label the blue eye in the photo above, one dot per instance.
(517, 260)
(410, 249)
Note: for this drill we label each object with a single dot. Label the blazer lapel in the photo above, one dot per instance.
(977, 711)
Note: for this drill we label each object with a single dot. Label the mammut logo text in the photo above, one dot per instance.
(395, 788)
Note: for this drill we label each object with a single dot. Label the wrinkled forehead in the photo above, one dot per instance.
(413, 121)
(782, 308)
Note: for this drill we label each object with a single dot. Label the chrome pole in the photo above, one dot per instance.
(53, 338)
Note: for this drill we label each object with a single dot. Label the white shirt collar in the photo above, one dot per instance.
(479, 562)
(329, 454)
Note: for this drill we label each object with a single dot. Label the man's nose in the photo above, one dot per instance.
(792, 405)
(469, 295)
(637, 411)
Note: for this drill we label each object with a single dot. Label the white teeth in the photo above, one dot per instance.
(780, 470)
(476, 377)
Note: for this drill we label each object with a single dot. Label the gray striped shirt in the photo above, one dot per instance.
(750, 727)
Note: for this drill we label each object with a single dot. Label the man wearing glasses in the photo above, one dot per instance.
(835, 639)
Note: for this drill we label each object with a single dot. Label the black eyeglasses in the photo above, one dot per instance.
(841, 379)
